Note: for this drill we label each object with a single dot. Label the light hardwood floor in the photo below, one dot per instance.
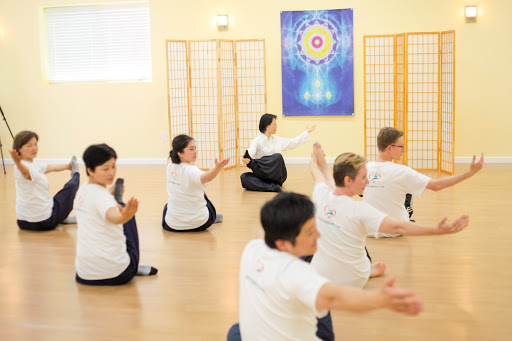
(464, 279)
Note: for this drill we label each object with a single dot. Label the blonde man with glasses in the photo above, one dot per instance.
(390, 183)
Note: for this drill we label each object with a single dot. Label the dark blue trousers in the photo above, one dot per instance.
(132, 247)
(62, 206)
(212, 214)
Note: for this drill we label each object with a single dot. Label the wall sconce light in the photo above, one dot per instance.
(471, 14)
(222, 22)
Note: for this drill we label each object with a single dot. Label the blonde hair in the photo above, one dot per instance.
(347, 164)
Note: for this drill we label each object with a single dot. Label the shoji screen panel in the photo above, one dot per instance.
(228, 102)
(251, 83)
(422, 100)
(379, 68)
(177, 88)
(204, 100)
(400, 94)
(447, 139)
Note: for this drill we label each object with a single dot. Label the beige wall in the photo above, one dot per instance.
(132, 116)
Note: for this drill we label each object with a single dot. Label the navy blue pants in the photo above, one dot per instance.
(324, 330)
(212, 214)
(62, 206)
(132, 247)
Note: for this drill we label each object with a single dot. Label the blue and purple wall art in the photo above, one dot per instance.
(317, 63)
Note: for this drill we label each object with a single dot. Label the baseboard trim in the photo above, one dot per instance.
(288, 160)
(119, 161)
(487, 159)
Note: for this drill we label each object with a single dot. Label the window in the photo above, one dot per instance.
(101, 42)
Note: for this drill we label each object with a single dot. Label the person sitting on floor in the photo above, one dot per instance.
(264, 156)
(188, 208)
(389, 183)
(344, 223)
(36, 210)
(107, 243)
(282, 296)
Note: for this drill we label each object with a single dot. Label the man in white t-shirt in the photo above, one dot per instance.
(282, 296)
(264, 157)
(390, 183)
(344, 223)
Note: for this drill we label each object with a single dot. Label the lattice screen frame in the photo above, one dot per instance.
(208, 81)
(422, 86)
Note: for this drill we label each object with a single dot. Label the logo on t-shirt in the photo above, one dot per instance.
(174, 178)
(374, 177)
(80, 204)
(329, 212)
(259, 266)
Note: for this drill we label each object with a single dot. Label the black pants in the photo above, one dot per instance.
(212, 214)
(62, 206)
(268, 173)
(132, 247)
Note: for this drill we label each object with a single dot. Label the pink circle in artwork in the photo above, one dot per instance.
(317, 42)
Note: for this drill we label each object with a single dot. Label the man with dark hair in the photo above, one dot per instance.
(281, 296)
(264, 156)
(107, 245)
(390, 183)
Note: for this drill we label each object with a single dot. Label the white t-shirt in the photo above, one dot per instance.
(389, 183)
(343, 224)
(278, 293)
(33, 200)
(186, 207)
(100, 245)
(262, 146)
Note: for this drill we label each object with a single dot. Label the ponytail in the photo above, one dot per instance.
(179, 143)
(174, 157)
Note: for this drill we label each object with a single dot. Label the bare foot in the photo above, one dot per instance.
(378, 269)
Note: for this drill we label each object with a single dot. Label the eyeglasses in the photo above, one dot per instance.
(394, 145)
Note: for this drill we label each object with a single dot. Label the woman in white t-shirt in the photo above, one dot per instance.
(36, 210)
(107, 240)
(344, 223)
(188, 208)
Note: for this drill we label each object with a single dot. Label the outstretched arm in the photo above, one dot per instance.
(439, 184)
(287, 144)
(16, 157)
(331, 296)
(212, 173)
(391, 225)
(122, 215)
(57, 168)
(319, 168)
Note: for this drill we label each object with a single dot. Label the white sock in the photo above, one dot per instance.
(146, 270)
(69, 220)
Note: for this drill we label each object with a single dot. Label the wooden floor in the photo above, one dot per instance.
(465, 279)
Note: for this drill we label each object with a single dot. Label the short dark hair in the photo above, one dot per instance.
(179, 143)
(96, 155)
(387, 136)
(347, 164)
(284, 216)
(22, 139)
(265, 121)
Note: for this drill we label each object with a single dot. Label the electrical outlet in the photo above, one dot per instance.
(165, 136)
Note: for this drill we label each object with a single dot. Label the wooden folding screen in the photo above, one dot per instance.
(216, 92)
(409, 80)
